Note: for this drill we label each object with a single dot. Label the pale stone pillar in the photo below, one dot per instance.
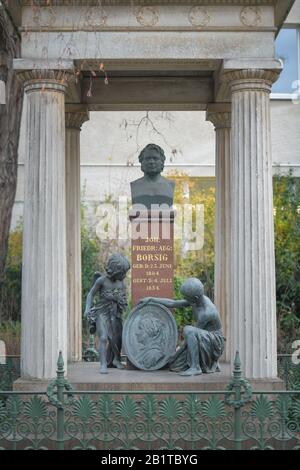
(44, 274)
(74, 120)
(253, 295)
(220, 115)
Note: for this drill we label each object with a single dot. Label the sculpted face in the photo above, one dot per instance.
(141, 335)
(151, 163)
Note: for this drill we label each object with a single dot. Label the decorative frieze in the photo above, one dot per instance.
(148, 16)
(133, 17)
(251, 16)
(198, 16)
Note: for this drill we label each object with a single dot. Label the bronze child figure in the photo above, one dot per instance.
(204, 342)
(107, 313)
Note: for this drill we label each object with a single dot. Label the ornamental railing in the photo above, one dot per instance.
(235, 418)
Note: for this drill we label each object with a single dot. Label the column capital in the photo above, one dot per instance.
(219, 114)
(250, 79)
(42, 80)
(76, 115)
(42, 75)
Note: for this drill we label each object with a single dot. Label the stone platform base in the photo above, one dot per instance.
(85, 376)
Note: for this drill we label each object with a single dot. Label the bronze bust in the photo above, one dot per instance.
(152, 188)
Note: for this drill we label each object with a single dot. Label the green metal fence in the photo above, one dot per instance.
(235, 418)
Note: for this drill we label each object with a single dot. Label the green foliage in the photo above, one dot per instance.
(90, 255)
(196, 263)
(183, 316)
(287, 250)
(10, 333)
(10, 287)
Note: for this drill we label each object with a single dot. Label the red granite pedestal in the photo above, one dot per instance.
(152, 254)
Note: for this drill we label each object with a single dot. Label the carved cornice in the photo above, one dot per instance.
(250, 79)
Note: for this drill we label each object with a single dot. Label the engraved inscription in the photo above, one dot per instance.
(152, 268)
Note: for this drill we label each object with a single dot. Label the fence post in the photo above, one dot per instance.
(242, 392)
(56, 398)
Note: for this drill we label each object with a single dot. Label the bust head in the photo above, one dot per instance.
(152, 159)
(152, 189)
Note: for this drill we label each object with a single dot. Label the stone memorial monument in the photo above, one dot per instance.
(106, 315)
(152, 223)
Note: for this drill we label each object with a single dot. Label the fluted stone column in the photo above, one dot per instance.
(44, 274)
(253, 295)
(220, 115)
(74, 120)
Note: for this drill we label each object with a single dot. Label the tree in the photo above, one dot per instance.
(10, 120)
